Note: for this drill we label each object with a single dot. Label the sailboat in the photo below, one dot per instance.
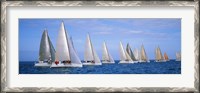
(166, 57)
(65, 52)
(130, 53)
(143, 56)
(136, 54)
(106, 57)
(46, 52)
(90, 56)
(178, 56)
(124, 56)
(159, 57)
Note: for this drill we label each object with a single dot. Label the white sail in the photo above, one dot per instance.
(111, 58)
(136, 54)
(65, 52)
(52, 50)
(122, 53)
(47, 52)
(44, 53)
(72, 42)
(73, 55)
(178, 56)
(88, 56)
(105, 56)
(62, 47)
(96, 57)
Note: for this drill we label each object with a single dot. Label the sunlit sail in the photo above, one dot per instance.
(65, 52)
(178, 56)
(90, 56)
(159, 57)
(106, 57)
(124, 56)
(136, 54)
(143, 56)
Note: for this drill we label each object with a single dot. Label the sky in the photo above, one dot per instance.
(151, 32)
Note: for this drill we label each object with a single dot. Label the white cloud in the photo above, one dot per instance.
(135, 32)
(102, 33)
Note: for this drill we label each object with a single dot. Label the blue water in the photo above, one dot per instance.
(171, 67)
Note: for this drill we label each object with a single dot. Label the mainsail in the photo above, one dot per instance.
(106, 56)
(124, 56)
(88, 56)
(178, 56)
(159, 56)
(130, 53)
(64, 48)
(47, 52)
(143, 56)
(136, 54)
(90, 53)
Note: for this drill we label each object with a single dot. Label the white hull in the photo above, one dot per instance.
(141, 61)
(135, 61)
(89, 63)
(125, 62)
(160, 61)
(66, 65)
(106, 62)
(42, 65)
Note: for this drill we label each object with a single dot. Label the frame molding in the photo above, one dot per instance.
(5, 4)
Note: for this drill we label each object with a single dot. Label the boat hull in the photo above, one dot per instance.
(126, 62)
(143, 61)
(160, 61)
(106, 62)
(89, 63)
(65, 65)
(42, 65)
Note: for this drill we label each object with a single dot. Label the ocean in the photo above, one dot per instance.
(171, 67)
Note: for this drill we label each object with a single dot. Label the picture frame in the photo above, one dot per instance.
(4, 52)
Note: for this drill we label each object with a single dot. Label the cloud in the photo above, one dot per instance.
(148, 34)
(102, 33)
(135, 32)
